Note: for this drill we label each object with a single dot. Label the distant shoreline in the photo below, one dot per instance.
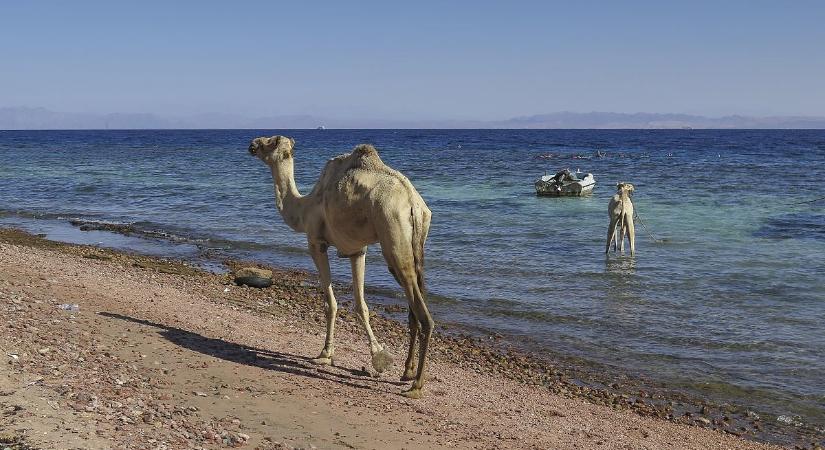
(27, 118)
(412, 129)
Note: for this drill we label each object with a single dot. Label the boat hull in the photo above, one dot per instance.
(551, 188)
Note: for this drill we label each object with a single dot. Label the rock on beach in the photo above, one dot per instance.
(253, 277)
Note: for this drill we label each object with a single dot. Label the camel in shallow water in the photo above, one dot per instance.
(620, 210)
(358, 201)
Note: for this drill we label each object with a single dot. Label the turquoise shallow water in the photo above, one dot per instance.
(731, 306)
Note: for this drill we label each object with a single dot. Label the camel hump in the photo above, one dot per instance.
(362, 157)
(364, 150)
(365, 156)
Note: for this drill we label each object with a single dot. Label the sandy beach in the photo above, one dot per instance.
(161, 355)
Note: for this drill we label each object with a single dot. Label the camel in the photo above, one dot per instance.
(620, 210)
(359, 201)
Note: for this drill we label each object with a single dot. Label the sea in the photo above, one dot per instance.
(724, 299)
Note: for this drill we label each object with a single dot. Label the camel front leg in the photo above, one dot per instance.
(622, 232)
(381, 358)
(319, 256)
(631, 235)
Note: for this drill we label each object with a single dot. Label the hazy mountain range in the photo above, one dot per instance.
(26, 118)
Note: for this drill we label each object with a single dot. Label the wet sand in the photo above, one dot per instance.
(162, 355)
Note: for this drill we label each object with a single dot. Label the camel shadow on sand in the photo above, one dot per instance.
(256, 357)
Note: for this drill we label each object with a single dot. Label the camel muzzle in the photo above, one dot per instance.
(252, 150)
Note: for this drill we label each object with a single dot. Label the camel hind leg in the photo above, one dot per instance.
(409, 365)
(611, 234)
(419, 309)
(415, 327)
(398, 253)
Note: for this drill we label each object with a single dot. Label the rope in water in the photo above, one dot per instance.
(649, 233)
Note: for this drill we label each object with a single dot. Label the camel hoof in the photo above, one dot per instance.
(323, 361)
(381, 361)
(412, 393)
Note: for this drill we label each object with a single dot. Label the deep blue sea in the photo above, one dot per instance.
(729, 305)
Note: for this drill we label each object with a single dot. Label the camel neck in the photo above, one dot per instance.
(287, 197)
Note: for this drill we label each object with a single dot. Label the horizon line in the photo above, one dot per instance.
(424, 129)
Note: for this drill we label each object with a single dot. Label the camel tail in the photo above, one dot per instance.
(421, 226)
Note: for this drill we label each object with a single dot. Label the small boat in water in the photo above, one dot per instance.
(565, 183)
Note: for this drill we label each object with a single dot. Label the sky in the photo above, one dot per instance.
(451, 60)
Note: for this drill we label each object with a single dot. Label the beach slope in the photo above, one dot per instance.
(160, 355)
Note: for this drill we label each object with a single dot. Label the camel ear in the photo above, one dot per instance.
(274, 140)
(292, 141)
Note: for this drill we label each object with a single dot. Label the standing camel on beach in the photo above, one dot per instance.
(358, 201)
(620, 210)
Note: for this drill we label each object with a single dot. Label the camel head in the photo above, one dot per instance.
(625, 187)
(272, 150)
